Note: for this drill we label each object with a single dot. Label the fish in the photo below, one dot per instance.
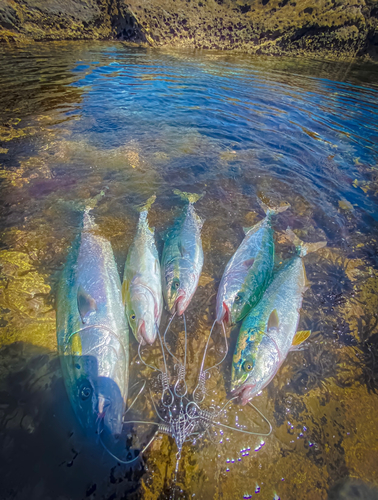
(182, 258)
(248, 272)
(269, 332)
(92, 332)
(141, 287)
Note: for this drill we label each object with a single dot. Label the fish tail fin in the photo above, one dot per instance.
(90, 204)
(273, 210)
(88, 220)
(143, 215)
(302, 247)
(82, 206)
(190, 197)
(148, 204)
(93, 202)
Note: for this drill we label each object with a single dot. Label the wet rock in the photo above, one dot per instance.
(342, 29)
(67, 20)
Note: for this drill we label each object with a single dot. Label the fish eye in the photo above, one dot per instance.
(132, 317)
(85, 392)
(237, 298)
(247, 366)
(176, 284)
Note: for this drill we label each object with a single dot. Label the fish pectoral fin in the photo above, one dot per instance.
(300, 337)
(248, 263)
(85, 303)
(273, 321)
(181, 249)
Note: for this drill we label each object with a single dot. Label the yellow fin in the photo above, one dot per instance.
(302, 247)
(124, 291)
(300, 337)
(148, 203)
(76, 345)
(190, 197)
(273, 320)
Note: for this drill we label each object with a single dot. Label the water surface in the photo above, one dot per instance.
(77, 118)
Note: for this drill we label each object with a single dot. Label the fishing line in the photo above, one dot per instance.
(203, 373)
(137, 396)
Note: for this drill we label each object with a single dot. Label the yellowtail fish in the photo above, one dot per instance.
(141, 288)
(248, 272)
(92, 332)
(269, 331)
(182, 258)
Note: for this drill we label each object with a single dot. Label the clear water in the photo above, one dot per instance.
(79, 117)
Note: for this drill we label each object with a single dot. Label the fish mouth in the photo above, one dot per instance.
(180, 305)
(243, 393)
(141, 332)
(144, 336)
(226, 314)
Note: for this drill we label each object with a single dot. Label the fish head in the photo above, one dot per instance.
(143, 314)
(240, 304)
(223, 312)
(253, 368)
(177, 296)
(96, 380)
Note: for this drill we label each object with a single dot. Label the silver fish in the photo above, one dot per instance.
(92, 332)
(248, 272)
(141, 287)
(182, 258)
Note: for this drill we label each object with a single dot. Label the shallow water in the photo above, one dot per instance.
(80, 117)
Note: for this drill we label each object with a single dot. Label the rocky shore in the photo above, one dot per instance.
(321, 28)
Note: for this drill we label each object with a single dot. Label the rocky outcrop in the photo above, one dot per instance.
(67, 20)
(332, 28)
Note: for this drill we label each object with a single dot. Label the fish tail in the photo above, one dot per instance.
(88, 221)
(92, 202)
(143, 215)
(302, 247)
(273, 210)
(148, 204)
(190, 197)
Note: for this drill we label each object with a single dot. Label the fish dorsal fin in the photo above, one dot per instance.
(246, 229)
(248, 263)
(273, 321)
(86, 304)
(300, 337)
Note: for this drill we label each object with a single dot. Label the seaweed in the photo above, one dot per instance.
(330, 284)
(367, 350)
